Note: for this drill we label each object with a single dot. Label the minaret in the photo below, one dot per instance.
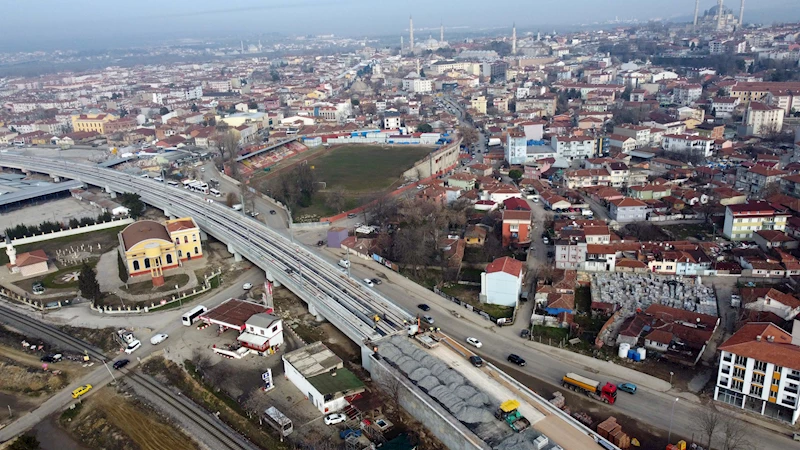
(696, 11)
(242, 43)
(719, 15)
(514, 40)
(539, 35)
(418, 69)
(441, 28)
(411, 33)
(741, 14)
(259, 45)
(402, 44)
(11, 252)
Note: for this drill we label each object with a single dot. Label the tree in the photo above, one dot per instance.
(422, 73)
(335, 199)
(228, 145)
(355, 101)
(195, 108)
(424, 128)
(369, 109)
(626, 94)
(771, 189)
(122, 268)
(163, 111)
(275, 75)
(134, 203)
(515, 174)
(707, 423)
(87, 283)
(25, 442)
(252, 105)
(734, 435)
(469, 135)
(230, 199)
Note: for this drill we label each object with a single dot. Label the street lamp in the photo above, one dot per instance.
(670, 379)
(669, 436)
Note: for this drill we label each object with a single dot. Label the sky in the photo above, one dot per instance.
(94, 24)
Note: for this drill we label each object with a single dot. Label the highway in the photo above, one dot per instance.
(347, 303)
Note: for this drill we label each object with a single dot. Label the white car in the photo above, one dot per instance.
(369, 282)
(133, 346)
(333, 419)
(159, 338)
(247, 286)
(475, 342)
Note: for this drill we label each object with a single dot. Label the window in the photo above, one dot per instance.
(773, 395)
(737, 385)
(738, 372)
(136, 265)
(194, 237)
(196, 252)
(186, 239)
(180, 253)
(726, 369)
(177, 241)
(169, 258)
(758, 378)
(760, 366)
(728, 357)
(275, 328)
(147, 263)
(741, 360)
(777, 369)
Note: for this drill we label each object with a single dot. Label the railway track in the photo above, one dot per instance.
(225, 437)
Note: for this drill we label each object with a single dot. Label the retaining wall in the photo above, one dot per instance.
(69, 232)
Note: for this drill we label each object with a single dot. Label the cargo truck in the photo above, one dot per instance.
(596, 389)
(509, 413)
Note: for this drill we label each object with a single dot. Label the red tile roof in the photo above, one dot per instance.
(31, 258)
(505, 264)
(780, 352)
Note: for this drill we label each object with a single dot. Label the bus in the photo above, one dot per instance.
(187, 182)
(277, 420)
(172, 183)
(215, 192)
(201, 188)
(191, 317)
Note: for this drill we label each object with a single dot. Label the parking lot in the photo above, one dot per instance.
(60, 210)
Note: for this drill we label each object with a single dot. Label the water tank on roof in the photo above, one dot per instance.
(623, 350)
(642, 353)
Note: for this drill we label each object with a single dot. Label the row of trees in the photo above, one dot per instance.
(48, 226)
(294, 187)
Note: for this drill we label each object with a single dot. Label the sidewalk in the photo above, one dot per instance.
(108, 277)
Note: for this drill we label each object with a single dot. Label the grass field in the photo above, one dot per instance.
(366, 168)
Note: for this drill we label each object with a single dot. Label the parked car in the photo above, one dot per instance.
(428, 319)
(525, 333)
(475, 342)
(476, 361)
(51, 358)
(352, 216)
(133, 346)
(159, 338)
(247, 286)
(121, 363)
(627, 387)
(424, 307)
(376, 281)
(81, 390)
(368, 282)
(272, 212)
(320, 243)
(333, 419)
(344, 434)
(516, 359)
(38, 288)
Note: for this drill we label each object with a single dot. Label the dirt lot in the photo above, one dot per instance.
(114, 421)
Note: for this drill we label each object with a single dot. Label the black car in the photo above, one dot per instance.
(516, 359)
(272, 212)
(320, 243)
(551, 254)
(121, 363)
(424, 307)
(376, 281)
(50, 358)
(476, 361)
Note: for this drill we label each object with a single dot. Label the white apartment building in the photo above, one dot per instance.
(787, 100)
(684, 143)
(574, 147)
(417, 85)
(759, 371)
(391, 120)
(688, 93)
(723, 107)
(640, 133)
(516, 147)
(762, 119)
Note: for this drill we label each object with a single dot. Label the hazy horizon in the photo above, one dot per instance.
(93, 24)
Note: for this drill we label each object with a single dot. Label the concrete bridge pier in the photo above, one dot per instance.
(111, 192)
(271, 279)
(313, 311)
(236, 255)
(56, 178)
(203, 235)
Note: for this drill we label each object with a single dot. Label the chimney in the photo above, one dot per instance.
(796, 332)
(411, 33)
(696, 10)
(758, 338)
(770, 338)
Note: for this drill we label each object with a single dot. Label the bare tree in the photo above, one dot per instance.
(468, 135)
(230, 199)
(771, 189)
(201, 360)
(335, 198)
(707, 423)
(734, 435)
(392, 387)
(228, 145)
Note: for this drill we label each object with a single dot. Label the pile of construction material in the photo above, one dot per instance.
(558, 400)
(634, 291)
(612, 431)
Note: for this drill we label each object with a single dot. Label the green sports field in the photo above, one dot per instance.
(365, 168)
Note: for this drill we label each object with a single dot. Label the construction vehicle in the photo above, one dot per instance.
(606, 393)
(509, 413)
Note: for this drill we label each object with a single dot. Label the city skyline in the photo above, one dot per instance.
(152, 21)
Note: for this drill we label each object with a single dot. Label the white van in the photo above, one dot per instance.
(344, 263)
(133, 346)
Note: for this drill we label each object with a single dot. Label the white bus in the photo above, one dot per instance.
(201, 188)
(277, 420)
(215, 192)
(191, 317)
(187, 182)
(172, 183)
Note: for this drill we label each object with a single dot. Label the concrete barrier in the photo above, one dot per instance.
(310, 225)
(106, 309)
